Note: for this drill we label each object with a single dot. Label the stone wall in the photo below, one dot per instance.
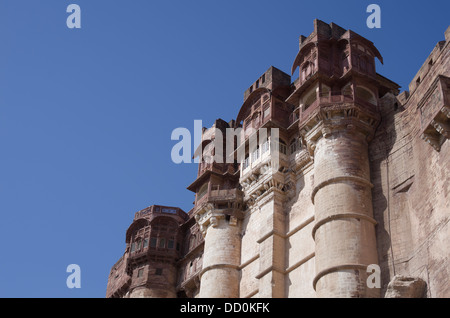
(411, 192)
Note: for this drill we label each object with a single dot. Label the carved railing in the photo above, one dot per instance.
(335, 99)
(220, 195)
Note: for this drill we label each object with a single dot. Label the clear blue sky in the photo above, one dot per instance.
(86, 114)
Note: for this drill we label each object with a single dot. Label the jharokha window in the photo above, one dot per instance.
(139, 239)
(163, 234)
(202, 191)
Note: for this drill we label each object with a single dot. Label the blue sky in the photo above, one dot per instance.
(86, 114)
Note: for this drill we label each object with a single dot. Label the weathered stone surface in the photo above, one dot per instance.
(406, 287)
(348, 173)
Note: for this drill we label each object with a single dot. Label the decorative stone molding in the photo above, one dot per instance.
(301, 159)
(217, 266)
(263, 180)
(341, 216)
(354, 117)
(335, 269)
(351, 178)
(207, 215)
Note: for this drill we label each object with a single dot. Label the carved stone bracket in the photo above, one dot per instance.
(208, 215)
(349, 117)
(264, 185)
(435, 113)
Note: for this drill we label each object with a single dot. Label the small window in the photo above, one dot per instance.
(265, 147)
(159, 271)
(266, 112)
(133, 247)
(257, 84)
(162, 242)
(310, 99)
(140, 272)
(145, 243)
(255, 154)
(282, 148)
(191, 241)
(293, 147)
(170, 244)
(153, 242)
(366, 95)
(246, 162)
(263, 79)
(202, 191)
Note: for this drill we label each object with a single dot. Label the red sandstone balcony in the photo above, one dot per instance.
(328, 100)
(221, 196)
(215, 167)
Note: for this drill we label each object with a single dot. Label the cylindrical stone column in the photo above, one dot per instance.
(221, 259)
(344, 230)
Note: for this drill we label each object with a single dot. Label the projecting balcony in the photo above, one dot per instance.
(301, 114)
(219, 168)
(218, 196)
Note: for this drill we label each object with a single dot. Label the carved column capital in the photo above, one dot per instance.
(209, 216)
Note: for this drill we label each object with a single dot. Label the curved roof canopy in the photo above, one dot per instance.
(136, 225)
(249, 101)
(349, 37)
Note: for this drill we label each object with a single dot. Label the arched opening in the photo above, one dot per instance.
(366, 95)
(347, 90)
(202, 191)
(282, 147)
(310, 99)
(307, 71)
(135, 228)
(293, 146)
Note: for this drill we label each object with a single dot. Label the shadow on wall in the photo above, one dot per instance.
(297, 189)
(379, 151)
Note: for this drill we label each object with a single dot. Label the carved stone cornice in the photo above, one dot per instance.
(301, 160)
(263, 181)
(208, 215)
(349, 118)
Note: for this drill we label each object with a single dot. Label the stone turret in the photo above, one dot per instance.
(338, 113)
(217, 211)
(153, 245)
(328, 177)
